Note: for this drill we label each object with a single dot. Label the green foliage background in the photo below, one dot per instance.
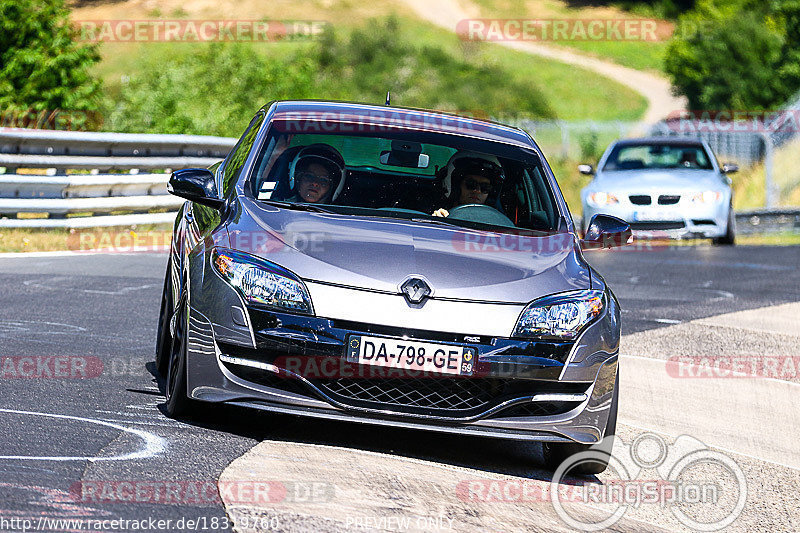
(214, 88)
(740, 54)
(42, 67)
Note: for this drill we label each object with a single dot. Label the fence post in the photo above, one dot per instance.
(769, 186)
(564, 139)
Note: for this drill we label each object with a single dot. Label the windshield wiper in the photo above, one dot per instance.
(435, 221)
(297, 207)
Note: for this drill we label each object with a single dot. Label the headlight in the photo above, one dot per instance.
(600, 199)
(563, 315)
(261, 282)
(707, 197)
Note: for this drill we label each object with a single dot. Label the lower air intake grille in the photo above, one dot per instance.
(538, 409)
(447, 394)
(656, 225)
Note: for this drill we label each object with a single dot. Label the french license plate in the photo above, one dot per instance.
(411, 355)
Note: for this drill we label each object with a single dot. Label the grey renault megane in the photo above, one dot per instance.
(396, 267)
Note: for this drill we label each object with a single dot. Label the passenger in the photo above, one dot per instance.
(316, 175)
(472, 180)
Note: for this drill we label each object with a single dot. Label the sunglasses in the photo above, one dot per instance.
(313, 178)
(473, 185)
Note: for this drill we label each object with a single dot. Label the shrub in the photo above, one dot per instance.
(741, 55)
(42, 66)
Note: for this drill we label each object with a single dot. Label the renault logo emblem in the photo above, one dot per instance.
(415, 290)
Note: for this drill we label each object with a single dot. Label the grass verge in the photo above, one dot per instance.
(132, 239)
(637, 54)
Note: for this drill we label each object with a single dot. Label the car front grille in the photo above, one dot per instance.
(446, 396)
(658, 225)
(668, 199)
(640, 199)
(449, 394)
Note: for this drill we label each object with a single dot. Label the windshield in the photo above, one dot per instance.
(645, 156)
(419, 176)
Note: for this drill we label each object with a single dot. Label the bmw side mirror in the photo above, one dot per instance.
(605, 231)
(586, 169)
(730, 168)
(197, 185)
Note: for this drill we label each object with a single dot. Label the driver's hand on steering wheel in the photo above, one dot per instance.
(441, 212)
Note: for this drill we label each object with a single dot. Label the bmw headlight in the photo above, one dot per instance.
(602, 199)
(261, 282)
(563, 315)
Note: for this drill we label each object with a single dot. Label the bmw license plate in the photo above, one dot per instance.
(411, 355)
(652, 215)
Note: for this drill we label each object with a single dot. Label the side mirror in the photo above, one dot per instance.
(605, 231)
(197, 185)
(730, 168)
(586, 169)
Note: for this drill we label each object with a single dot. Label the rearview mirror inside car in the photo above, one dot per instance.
(197, 185)
(605, 231)
(405, 154)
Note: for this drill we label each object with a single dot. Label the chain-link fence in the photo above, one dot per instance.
(771, 139)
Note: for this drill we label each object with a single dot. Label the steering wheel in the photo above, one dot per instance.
(485, 214)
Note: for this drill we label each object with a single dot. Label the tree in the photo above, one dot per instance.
(736, 55)
(43, 69)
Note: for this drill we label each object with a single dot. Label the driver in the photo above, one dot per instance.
(472, 180)
(316, 174)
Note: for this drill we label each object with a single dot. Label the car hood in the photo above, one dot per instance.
(380, 253)
(661, 180)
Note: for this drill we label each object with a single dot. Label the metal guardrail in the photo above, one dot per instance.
(62, 192)
(768, 221)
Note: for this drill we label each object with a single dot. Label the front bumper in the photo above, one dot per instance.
(544, 391)
(683, 220)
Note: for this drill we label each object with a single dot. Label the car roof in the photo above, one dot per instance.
(686, 141)
(368, 115)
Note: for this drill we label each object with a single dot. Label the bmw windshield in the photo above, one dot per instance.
(658, 156)
(419, 176)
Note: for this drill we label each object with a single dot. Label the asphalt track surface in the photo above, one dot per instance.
(61, 434)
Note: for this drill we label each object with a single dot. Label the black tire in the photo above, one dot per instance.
(556, 453)
(729, 239)
(178, 403)
(164, 337)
